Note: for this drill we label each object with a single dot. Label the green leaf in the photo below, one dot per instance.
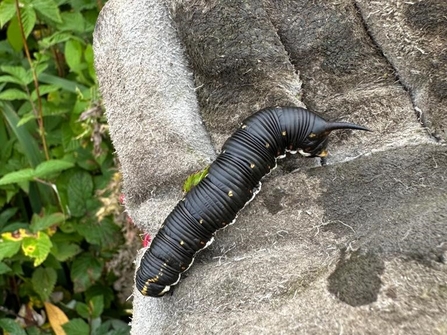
(73, 55)
(76, 327)
(47, 10)
(44, 89)
(29, 144)
(80, 5)
(88, 56)
(14, 35)
(24, 76)
(85, 270)
(40, 67)
(9, 248)
(12, 327)
(103, 233)
(44, 280)
(64, 251)
(37, 247)
(10, 79)
(67, 85)
(80, 188)
(96, 305)
(28, 16)
(113, 327)
(57, 37)
(43, 222)
(17, 176)
(83, 310)
(13, 94)
(72, 21)
(194, 179)
(4, 268)
(26, 118)
(7, 11)
(50, 167)
(6, 214)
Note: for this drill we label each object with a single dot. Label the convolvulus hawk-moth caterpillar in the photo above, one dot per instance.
(232, 181)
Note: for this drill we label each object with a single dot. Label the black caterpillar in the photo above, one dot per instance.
(232, 181)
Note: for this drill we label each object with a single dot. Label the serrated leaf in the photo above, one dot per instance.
(44, 280)
(72, 21)
(73, 55)
(76, 327)
(10, 79)
(114, 327)
(26, 118)
(56, 317)
(44, 89)
(58, 37)
(9, 248)
(96, 305)
(7, 11)
(79, 189)
(37, 247)
(40, 67)
(28, 19)
(17, 176)
(43, 222)
(85, 270)
(50, 167)
(64, 251)
(19, 73)
(47, 10)
(80, 5)
(103, 233)
(12, 327)
(4, 268)
(83, 310)
(14, 35)
(13, 94)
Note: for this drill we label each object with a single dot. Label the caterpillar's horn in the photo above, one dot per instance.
(330, 126)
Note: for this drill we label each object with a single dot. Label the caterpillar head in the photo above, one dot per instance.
(315, 144)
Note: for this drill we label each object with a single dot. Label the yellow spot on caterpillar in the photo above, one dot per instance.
(267, 145)
(183, 268)
(182, 243)
(223, 224)
(202, 243)
(151, 280)
(243, 126)
(201, 221)
(284, 133)
(252, 165)
(230, 193)
(312, 135)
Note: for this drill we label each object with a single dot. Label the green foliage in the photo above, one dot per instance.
(193, 179)
(58, 182)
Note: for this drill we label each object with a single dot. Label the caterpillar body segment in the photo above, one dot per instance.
(232, 181)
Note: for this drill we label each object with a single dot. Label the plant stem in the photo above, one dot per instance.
(36, 84)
